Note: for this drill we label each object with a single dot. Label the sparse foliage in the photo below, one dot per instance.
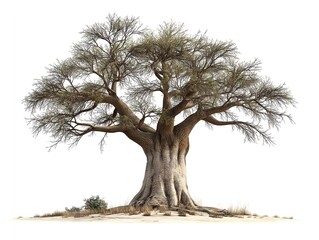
(122, 77)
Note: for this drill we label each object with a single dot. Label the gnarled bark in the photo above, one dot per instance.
(165, 180)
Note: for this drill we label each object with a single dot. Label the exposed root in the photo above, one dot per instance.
(164, 210)
(181, 210)
(213, 212)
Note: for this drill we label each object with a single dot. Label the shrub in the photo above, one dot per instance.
(95, 203)
(73, 209)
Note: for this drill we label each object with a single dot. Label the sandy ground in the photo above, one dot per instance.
(123, 226)
(159, 218)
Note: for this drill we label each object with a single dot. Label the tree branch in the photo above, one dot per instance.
(183, 105)
(124, 109)
(251, 131)
(185, 127)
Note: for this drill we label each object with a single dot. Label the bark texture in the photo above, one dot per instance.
(165, 180)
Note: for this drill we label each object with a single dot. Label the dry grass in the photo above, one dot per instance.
(66, 214)
(54, 214)
(163, 209)
(122, 209)
(83, 213)
(238, 210)
(130, 210)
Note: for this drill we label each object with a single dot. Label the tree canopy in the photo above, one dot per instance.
(122, 77)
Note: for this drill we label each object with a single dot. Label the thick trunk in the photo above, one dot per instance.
(165, 175)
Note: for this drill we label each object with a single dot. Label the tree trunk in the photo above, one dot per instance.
(165, 175)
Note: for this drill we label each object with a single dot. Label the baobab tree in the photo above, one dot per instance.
(154, 86)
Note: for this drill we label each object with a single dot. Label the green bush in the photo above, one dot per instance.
(95, 203)
(73, 209)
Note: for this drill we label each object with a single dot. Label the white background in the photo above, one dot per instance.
(222, 169)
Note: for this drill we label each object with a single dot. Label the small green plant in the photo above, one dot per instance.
(95, 203)
(73, 209)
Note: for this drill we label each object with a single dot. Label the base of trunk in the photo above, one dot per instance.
(169, 201)
(165, 181)
(164, 185)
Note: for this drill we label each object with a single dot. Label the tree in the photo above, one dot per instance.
(124, 78)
